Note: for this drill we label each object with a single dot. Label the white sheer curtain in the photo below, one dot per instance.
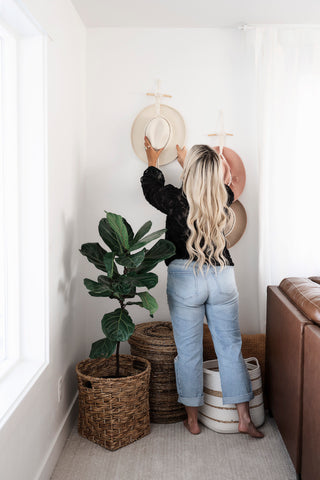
(288, 127)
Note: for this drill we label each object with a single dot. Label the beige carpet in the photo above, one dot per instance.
(170, 452)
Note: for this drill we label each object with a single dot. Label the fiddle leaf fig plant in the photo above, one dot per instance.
(136, 267)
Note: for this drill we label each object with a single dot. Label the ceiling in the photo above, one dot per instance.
(196, 13)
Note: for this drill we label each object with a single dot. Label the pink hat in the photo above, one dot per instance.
(233, 165)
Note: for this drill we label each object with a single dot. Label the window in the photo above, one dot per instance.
(23, 206)
(9, 203)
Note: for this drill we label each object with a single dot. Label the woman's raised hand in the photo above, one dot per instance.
(181, 154)
(152, 154)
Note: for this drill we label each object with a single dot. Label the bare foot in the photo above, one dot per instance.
(248, 427)
(193, 427)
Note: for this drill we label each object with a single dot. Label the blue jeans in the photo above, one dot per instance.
(190, 297)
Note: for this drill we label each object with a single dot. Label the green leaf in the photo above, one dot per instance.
(129, 230)
(117, 325)
(120, 287)
(94, 253)
(135, 303)
(103, 348)
(149, 302)
(160, 251)
(108, 259)
(97, 289)
(119, 228)
(109, 236)
(142, 231)
(126, 286)
(131, 261)
(147, 239)
(105, 280)
(148, 280)
(90, 284)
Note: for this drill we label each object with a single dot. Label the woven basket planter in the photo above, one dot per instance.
(155, 342)
(253, 345)
(114, 412)
(225, 418)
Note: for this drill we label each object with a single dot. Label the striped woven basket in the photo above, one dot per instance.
(253, 345)
(224, 418)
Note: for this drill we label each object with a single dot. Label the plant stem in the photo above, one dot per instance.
(117, 360)
(118, 343)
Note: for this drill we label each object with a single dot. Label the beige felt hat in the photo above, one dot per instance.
(164, 129)
(237, 223)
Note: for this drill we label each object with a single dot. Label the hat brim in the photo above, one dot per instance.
(177, 132)
(236, 232)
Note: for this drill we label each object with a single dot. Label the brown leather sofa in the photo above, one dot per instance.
(293, 369)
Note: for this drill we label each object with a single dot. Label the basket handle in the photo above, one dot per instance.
(86, 383)
(248, 360)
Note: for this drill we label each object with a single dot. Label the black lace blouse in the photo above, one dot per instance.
(173, 202)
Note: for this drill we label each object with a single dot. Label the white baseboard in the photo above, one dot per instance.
(57, 444)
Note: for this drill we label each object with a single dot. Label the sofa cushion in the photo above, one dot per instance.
(305, 294)
(315, 279)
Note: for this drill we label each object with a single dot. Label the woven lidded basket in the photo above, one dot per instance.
(155, 342)
(113, 412)
(224, 418)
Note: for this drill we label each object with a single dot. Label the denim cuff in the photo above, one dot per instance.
(238, 398)
(192, 402)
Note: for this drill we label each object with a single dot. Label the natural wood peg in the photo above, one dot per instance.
(159, 94)
(218, 134)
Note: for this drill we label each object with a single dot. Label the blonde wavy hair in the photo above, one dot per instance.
(203, 186)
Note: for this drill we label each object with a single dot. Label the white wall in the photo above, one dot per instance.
(33, 437)
(204, 70)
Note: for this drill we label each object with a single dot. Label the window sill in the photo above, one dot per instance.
(16, 384)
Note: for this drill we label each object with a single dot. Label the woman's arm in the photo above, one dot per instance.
(152, 154)
(152, 181)
(181, 154)
(163, 197)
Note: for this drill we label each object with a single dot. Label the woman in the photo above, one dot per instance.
(201, 279)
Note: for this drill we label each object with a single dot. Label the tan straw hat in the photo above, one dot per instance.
(164, 128)
(237, 223)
